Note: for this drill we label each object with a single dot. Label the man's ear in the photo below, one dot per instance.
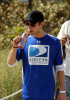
(42, 24)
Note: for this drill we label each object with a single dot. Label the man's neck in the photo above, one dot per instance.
(40, 34)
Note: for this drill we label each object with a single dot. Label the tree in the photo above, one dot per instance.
(6, 1)
(68, 1)
(44, 2)
(30, 4)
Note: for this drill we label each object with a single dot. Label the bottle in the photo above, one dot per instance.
(23, 41)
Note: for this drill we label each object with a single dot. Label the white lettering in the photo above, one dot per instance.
(38, 60)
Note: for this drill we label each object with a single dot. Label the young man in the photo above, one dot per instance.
(64, 36)
(41, 56)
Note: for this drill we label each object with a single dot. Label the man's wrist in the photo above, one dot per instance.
(15, 47)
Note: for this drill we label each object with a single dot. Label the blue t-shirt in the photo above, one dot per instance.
(39, 58)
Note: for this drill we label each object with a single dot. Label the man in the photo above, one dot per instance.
(41, 56)
(64, 36)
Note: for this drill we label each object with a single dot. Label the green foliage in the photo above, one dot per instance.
(55, 15)
(13, 15)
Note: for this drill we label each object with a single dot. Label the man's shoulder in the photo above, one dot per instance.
(53, 37)
(53, 40)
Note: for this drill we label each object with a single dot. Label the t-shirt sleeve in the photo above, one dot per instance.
(19, 54)
(58, 57)
(58, 61)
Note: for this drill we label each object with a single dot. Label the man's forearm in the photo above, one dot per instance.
(12, 56)
(61, 78)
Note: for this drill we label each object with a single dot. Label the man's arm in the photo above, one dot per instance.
(61, 79)
(12, 55)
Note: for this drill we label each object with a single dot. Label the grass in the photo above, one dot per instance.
(10, 77)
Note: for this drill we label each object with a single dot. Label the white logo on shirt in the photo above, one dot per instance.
(38, 54)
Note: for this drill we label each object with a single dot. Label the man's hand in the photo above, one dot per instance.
(61, 96)
(63, 40)
(16, 41)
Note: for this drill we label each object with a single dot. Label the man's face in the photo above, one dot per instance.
(34, 29)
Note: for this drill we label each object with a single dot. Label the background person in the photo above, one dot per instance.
(41, 56)
(64, 36)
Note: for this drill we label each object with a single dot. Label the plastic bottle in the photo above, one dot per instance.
(23, 41)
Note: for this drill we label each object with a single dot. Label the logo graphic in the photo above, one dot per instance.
(38, 54)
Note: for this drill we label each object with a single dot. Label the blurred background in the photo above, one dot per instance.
(12, 16)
